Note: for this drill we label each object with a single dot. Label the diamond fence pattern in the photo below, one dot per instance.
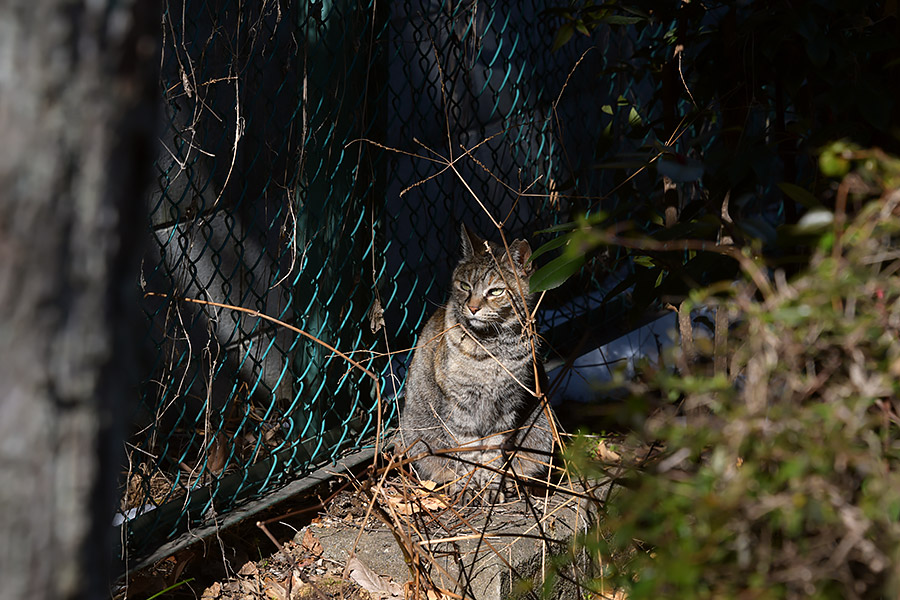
(300, 176)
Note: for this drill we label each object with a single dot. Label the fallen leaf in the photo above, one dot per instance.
(217, 454)
(248, 586)
(372, 582)
(311, 543)
(607, 454)
(403, 507)
(212, 592)
(249, 568)
(275, 590)
(297, 581)
(415, 501)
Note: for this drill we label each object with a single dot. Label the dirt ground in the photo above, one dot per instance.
(245, 565)
(245, 562)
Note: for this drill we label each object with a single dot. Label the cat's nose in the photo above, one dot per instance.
(473, 308)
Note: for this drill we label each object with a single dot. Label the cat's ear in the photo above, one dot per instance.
(470, 243)
(520, 252)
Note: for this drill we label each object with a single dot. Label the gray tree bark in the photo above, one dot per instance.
(77, 116)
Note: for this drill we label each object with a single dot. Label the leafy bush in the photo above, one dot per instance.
(773, 454)
(778, 477)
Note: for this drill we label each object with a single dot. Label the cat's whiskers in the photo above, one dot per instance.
(496, 327)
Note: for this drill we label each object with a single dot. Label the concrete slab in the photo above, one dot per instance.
(480, 553)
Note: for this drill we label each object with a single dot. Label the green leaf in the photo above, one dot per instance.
(621, 20)
(826, 242)
(634, 118)
(161, 593)
(563, 35)
(582, 28)
(557, 228)
(555, 272)
(591, 219)
(623, 285)
(644, 261)
(798, 194)
(834, 161)
(551, 245)
(637, 11)
(833, 165)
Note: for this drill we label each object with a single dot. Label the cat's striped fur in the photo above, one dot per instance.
(472, 376)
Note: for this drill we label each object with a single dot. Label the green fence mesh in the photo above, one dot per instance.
(278, 191)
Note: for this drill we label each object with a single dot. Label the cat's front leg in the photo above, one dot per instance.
(472, 486)
(481, 475)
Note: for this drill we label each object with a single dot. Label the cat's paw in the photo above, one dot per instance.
(483, 487)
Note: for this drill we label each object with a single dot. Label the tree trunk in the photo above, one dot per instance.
(78, 94)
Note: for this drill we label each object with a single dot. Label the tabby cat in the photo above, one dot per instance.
(471, 378)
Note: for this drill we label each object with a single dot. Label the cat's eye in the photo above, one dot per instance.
(465, 286)
(495, 292)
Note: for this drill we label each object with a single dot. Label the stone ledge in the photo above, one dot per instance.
(478, 552)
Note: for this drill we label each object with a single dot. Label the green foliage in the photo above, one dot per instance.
(778, 476)
(781, 478)
(586, 16)
(833, 162)
(747, 97)
(579, 239)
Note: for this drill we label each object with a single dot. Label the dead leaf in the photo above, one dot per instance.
(311, 543)
(297, 582)
(376, 316)
(218, 454)
(248, 586)
(607, 454)
(372, 582)
(212, 592)
(232, 587)
(554, 194)
(894, 369)
(416, 501)
(275, 590)
(415, 505)
(249, 568)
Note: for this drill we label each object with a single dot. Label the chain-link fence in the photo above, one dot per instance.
(305, 173)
